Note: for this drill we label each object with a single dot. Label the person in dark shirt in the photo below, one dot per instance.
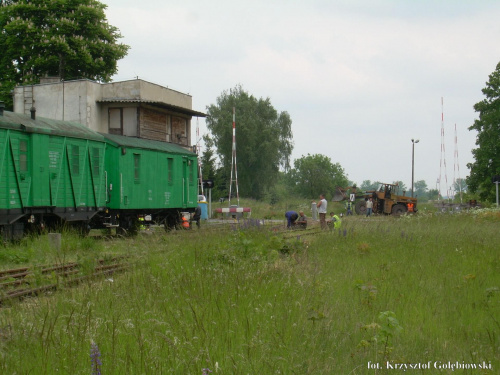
(291, 217)
(196, 217)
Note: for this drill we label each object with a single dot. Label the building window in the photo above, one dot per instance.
(170, 166)
(129, 121)
(115, 121)
(23, 156)
(75, 159)
(137, 168)
(96, 160)
(123, 121)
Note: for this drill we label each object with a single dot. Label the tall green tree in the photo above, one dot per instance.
(369, 185)
(263, 139)
(433, 194)
(460, 185)
(316, 174)
(208, 167)
(487, 155)
(402, 187)
(211, 171)
(65, 38)
(419, 189)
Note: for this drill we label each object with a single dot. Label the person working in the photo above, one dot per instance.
(291, 217)
(302, 221)
(195, 217)
(334, 220)
(348, 207)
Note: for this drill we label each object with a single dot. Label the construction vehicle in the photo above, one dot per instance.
(386, 199)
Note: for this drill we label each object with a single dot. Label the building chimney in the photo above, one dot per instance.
(2, 106)
(33, 113)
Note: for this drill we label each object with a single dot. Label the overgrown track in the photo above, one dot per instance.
(300, 233)
(17, 283)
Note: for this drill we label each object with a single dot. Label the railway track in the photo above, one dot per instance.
(19, 283)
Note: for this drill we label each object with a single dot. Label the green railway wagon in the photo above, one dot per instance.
(149, 180)
(49, 171)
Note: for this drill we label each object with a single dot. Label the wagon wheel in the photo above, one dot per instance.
(171, 222)
(360, 207)
(82, 228)
(398, 209)
(130, 224)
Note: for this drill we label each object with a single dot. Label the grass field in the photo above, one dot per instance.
(379, 294)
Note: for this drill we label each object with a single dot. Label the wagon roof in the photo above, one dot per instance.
(42, 125)
(123, 141)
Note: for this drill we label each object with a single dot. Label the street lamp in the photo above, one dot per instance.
(413, 141)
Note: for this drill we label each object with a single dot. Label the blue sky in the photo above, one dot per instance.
(359, 79)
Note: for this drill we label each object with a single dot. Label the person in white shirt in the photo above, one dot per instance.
(369, 207)
(322, 205)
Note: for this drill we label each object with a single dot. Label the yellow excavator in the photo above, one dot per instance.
(386, 199)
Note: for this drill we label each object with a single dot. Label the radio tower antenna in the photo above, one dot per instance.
(457, 167)
(233, 164)
(442, 162)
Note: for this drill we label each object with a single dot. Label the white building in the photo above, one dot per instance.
(134, 108)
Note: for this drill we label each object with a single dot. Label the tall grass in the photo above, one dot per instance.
(253, 302)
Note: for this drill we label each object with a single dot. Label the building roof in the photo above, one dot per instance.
(123, 141)
(42, 125)
(171, 107)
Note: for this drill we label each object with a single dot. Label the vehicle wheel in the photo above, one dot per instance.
(360, 207)
(398, 209)
(130, 224)
(82, 228)
(170, 223)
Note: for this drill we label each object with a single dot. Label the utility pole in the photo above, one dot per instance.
(413, 141)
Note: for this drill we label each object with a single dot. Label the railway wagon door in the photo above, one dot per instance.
(185, 182)
(19, 150)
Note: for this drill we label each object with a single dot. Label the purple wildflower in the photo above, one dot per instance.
(206, 371)
(95, 360)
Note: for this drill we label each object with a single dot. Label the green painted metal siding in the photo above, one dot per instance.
(76, 172)
(15, 182)
(40, 170)
(50, 163)
(150, 178)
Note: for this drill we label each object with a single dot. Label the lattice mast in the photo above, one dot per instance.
(233, 164)
(442, 162)
(456, 168)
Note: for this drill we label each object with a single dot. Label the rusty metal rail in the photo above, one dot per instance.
(17, 281)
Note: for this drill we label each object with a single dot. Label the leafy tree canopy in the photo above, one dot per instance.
(402, 187)
(419, 189)
(316, 174)
(208, 166)
(369, 185)
(263, 138)
(66, 38)
(487, 155)
(460, 185)
(433, 194)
